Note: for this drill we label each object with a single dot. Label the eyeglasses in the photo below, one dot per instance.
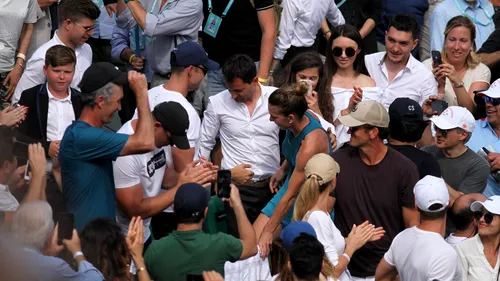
(494, 101)
(444, 133)
(87, 29)
(205, 70)
(349, 51)
(488, 217)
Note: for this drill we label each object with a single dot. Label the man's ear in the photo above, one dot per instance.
(415, 43)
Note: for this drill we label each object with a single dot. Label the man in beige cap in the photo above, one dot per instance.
(376, 185)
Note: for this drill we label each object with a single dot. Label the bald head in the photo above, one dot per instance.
(464, 201)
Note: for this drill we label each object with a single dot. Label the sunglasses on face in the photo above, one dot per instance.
(494, 101)
(444, 133)
(349, 52)
(488, 217)
(354, 129)
(205, 70)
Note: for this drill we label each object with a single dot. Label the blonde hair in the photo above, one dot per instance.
(460, 21)
(308, 195)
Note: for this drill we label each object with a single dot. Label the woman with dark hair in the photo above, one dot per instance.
(461, 73)
(345, 65)
(104, 246)
(304, 138)
(309, 67)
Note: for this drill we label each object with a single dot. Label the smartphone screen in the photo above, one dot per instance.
(66, 223)
(436, 58)
(27, 171)
(439, 105)
(223, 183)
(20, 150)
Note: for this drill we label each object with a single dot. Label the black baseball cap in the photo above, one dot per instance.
(406, 109)
(174, 119)
(99, 74)
(190, 201)
(191, 53)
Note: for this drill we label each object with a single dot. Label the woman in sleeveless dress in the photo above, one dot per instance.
(345, 64)
(304, 138)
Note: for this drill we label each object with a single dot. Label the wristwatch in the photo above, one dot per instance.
(460, 85)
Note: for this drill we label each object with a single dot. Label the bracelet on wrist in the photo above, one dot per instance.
(347, 257)
(459, 85)
(131, 58)
(77, 254)
(326, 33)
(21, 56)
(262, 80)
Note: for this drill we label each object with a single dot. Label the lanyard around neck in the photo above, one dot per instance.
(225, 10)
(341, 3)
(488, 15)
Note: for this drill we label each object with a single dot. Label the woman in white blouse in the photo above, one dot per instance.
(345, 65)
(461, 72)
(311, 206)
(480, 254)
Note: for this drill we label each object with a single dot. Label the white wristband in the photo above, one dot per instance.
(21, 56)
(77, 254)
(347, 257)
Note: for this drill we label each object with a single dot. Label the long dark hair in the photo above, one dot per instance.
(104, 246)
(352, 33)
(323, 88)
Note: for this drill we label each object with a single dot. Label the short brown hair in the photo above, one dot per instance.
(75, 10)
(59, 55)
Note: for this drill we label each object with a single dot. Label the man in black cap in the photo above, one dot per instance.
(406, 126)
(87, 151)
(189, 250)
(139, 178)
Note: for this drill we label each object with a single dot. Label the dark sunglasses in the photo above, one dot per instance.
(354, 129)
(494, 101)
(349, 51)
(488, 217)
(205, 70)
(444, 133)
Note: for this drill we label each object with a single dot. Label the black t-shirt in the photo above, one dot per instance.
(239, 32)
(374, 193)
(425, 162)
(492, 45)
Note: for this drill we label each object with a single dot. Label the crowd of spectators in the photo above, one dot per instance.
(290, 140)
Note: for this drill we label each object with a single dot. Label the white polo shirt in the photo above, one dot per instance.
(415, 81)
(245, 139)
(146, 169)
(7, 201)
(423, 255)
(33, 74)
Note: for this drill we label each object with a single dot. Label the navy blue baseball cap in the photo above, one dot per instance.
(293, 230)
(191, 53)
(190, 201)
(406, 109)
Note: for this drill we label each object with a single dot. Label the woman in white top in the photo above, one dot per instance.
(311, 206)
(345, 65)
(480, 254)
(460, 73)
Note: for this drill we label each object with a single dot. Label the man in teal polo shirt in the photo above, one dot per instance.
(487, 135)
(87, 151)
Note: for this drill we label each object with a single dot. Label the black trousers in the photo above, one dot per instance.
(254, 200)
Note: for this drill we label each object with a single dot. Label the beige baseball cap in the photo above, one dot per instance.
(323, 166)
(367, 113)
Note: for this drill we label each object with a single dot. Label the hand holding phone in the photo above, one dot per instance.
(223, 183)
(439, 106)
(436, 58)
(66, 222)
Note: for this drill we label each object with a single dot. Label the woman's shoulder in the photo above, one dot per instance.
(428, 63)
(365, 81)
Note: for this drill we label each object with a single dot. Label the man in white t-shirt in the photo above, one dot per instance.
(420, 252)
(189, 63)
(463, 218)
(139, 178)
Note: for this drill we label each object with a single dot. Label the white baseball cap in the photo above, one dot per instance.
(455, 117)
(431, 190)
(491, 204)
(493, 91)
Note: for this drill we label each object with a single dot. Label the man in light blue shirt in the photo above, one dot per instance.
(479, 11)
(100, 41)
(487, 134)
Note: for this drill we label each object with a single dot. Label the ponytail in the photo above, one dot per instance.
(291, 99)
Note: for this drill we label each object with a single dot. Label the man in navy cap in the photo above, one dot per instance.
(189, 250)
(87, 151)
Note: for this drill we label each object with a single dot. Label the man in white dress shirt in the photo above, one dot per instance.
(76, 23)
(396, 71)
(189, 63)
(420, 252)
(250, 142)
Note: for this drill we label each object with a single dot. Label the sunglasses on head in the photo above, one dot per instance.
(349, 51)
(488, 217)
(494, 101)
